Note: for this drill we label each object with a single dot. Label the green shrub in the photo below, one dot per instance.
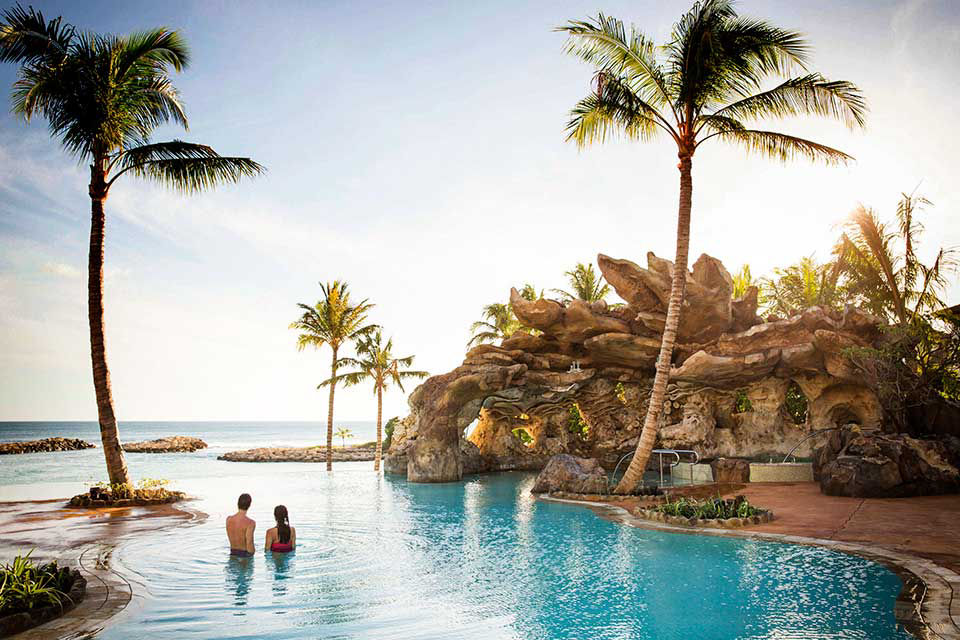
(25, 585)
(576, 424)
(742, 403)
(710, 509)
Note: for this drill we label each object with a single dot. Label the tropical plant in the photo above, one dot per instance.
(103, 96)
(388, 430)
(375, 362)
(343, 433)
(881, 267)
(706, 83)
(498, 321)
(742, 282)
(584, 284)
(333, 321)
(795, 403)
(575, 422)
(802, 285)
(915, 371)
(709, 509)
(25, 585)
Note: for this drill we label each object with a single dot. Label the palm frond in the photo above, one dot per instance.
(783, 147)
(810, 94)
(184, 166)
(26, 36)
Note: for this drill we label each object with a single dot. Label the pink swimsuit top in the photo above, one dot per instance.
(281, 547)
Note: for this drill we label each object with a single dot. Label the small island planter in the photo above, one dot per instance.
(712, 523)
(15, 623)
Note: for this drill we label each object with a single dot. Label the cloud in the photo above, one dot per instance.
(63, 270)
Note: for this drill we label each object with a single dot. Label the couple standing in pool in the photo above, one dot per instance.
(280, 539)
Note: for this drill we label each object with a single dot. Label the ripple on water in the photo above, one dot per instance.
(381, 558)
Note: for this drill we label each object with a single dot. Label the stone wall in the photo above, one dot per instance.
(601, 358)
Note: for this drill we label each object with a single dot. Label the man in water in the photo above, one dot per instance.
(240, 529)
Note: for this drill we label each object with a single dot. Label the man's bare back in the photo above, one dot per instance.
(240, 529)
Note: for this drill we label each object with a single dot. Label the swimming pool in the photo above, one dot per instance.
(382, 558)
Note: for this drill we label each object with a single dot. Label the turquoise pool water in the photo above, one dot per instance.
(383, 558)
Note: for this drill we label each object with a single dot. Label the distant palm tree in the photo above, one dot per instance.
(585, 284)
(802, 285)
(706, 83)
(375, 362)
(333, 321)
(881, 266)
(343, 434)
(103, 96)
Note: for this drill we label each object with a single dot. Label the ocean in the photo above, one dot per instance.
(37, 476)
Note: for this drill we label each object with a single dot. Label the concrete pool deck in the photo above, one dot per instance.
(917, 537)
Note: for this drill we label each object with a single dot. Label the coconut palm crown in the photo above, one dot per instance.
(333, 321)
(585, 284)
(711, 81)
(102, 97)
(376, 363)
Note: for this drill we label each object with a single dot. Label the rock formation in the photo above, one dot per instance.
(300, 454)
(596, 361)
(172, 444)
(871, 465)
(568, 473)
(47, 444)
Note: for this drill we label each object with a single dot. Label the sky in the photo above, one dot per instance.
(416, 150)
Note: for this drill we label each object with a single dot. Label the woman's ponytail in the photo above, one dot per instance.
(283, 524)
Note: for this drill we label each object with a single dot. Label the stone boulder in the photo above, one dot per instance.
(47, 444)
(571, 474)
(173, 444)
(731, 470)
(876, 465)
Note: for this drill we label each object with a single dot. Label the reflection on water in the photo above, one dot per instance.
(239, 574)
(382, 558)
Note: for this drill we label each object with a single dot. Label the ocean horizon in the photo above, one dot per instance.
(48, 475)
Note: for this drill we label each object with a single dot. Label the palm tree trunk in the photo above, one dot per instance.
(376, 459)
(109, 435)
(333, 386)
(648, 436)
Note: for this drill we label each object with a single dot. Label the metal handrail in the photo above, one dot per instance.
(661, 452)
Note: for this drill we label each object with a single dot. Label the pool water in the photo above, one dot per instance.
(378, 557)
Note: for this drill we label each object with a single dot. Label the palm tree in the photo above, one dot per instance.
(585, 284)
(333, 321)
(343, 433)
(707, 82)
(881, 267)
(102, 97)
(802, 285)
(375, 362)
(498, 320)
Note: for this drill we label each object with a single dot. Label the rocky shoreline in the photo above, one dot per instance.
(300, 454)
(173, 444)
(45, 445)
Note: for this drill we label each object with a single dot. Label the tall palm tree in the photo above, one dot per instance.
(343, 433)
(333, 321)
(881, 266)
(375, 362)
(706, 83)
(801, 285)
(102, 97)
(584, 284)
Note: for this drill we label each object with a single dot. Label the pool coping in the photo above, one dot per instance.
(928, 605)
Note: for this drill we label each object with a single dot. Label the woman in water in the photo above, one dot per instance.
(281, 538)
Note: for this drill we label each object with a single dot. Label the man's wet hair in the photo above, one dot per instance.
(243, 502)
